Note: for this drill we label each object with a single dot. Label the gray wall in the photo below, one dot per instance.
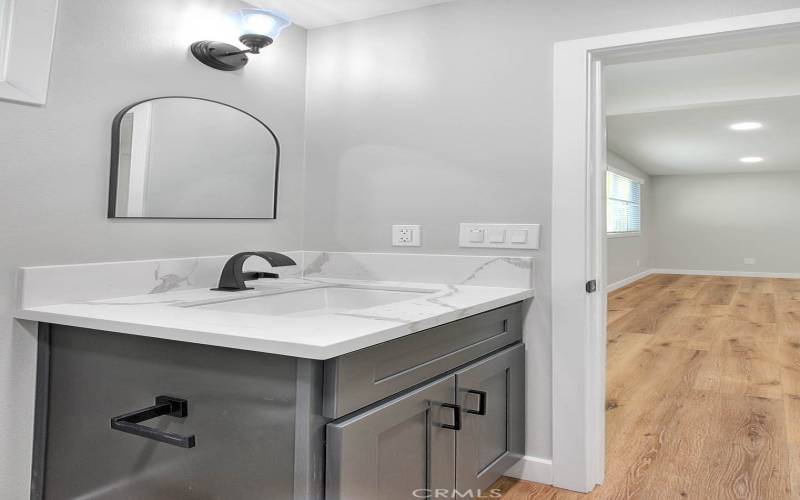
(444, 115)
(55, 160)
(714, 222)
(630, 255)
(435, 116)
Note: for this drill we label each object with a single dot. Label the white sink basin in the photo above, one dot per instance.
(315, 301)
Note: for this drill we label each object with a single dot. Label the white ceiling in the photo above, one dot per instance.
(689, 81)
(698, 140)
(312, 14)
(672, 116)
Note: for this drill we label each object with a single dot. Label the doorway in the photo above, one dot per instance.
(579, 223)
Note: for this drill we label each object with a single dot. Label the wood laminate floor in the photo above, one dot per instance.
(703, 394)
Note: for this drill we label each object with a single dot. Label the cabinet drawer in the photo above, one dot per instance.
(360, 378)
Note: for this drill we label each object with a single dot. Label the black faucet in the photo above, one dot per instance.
(233, 276)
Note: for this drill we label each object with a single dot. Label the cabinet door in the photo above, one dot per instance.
(491, 393)
(241, 409)
(396, 450)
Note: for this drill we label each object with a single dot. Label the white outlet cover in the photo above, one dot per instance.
(408, 235)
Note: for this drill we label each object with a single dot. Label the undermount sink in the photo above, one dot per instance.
(316, 301)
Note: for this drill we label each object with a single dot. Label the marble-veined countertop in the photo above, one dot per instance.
(179, 315)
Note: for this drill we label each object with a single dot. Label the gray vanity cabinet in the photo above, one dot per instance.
(396, 448)
(126, 417)
(413, 443)
(491, 394)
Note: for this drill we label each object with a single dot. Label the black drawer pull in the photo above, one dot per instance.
(481, 402)
(456, 417)
(165, 405)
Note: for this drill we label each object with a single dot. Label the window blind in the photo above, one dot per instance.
(623, 204)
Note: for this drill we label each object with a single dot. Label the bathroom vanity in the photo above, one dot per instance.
(443, 408)
(296, 390)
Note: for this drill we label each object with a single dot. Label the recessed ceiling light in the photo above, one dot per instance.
(751, 159)
(746, 126)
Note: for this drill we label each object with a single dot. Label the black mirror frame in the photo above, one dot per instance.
(112, 191)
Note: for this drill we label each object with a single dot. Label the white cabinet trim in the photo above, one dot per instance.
(28, 48)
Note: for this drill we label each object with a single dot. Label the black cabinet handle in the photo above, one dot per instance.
(165, 405)
(481, 402)
(456, 417)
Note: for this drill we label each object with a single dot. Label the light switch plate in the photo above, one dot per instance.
(520, 236)
(406, 235)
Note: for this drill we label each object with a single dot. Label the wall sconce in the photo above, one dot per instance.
(258, 28)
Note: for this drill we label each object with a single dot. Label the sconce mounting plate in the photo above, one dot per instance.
(218, 55)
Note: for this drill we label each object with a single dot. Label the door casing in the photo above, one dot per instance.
(578, 229)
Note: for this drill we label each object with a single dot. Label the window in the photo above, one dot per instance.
(5, 17)
(623, 205)
(25, 50)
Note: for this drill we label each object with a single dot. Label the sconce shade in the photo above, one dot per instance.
(261, 22)
(258, 28)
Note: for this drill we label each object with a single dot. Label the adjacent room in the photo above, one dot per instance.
(703, 185)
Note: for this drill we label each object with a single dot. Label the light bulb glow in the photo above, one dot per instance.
(258, 24)
(746, 126)
(261, 22)
(751, 159)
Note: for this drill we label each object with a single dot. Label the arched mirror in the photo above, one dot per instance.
(192, 158)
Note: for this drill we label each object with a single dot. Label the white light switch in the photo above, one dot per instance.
(497, 236)
(520, 236)
(476, 236)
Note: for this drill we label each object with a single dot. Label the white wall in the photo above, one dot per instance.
(630, 255)
(54, 165)
(714, 222)
(444, 115)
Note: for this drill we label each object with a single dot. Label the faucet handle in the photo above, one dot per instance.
(258, 275)
(232, 278)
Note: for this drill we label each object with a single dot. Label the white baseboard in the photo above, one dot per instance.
(698, 272)
(534, 469)
(743, 274)
(630, 279)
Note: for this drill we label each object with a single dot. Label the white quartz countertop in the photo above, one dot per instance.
(179, 315)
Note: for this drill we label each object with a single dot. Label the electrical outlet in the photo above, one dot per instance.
(406, 235)
(638, 263)
(749, 261)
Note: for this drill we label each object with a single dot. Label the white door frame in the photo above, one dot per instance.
(578, 227)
